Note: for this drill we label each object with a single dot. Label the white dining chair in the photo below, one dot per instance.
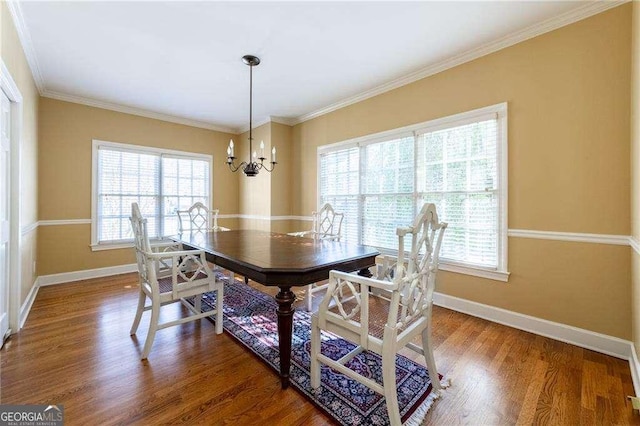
(327, 225)
(199, 218)
(163, 276)
(402, 291)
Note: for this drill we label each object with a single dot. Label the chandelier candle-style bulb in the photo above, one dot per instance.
(252, 167)
(230, 149)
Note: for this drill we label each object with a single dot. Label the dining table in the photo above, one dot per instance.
(283, 261)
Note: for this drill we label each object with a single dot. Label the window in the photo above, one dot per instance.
(457, 163)
(160, 181)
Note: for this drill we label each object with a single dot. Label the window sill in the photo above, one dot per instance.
(476, 272)
(458, 268)
(123, 245)
(115, 246)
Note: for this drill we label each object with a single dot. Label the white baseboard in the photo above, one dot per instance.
(635, 369)
(67, 277)
(28, 303)
(598, 342)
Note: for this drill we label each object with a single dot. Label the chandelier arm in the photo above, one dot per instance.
(273, 166)
(233, 167)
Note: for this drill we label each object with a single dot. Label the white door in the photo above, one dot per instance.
(5, 138)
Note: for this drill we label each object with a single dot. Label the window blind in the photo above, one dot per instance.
(161, 183)
(184, 182)
(125, 178)
(380, 183)
(457, 171)
(387, 190)
(339, 186)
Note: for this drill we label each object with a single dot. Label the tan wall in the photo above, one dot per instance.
(635, 170)
(66, 134)
(281, 176)
(16, 62)
(568, 97)
(255, 192)
(267, 194)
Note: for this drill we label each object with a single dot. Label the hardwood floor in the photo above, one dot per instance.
(75, 350)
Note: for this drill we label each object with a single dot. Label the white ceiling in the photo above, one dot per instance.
(182, 60)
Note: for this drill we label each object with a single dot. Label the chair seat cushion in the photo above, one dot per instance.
(166, 286)
(378, 313)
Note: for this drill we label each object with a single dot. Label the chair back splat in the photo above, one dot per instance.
(198, 218)
(417, 282)
(327, 224)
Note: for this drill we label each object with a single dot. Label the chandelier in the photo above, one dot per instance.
(252, 167)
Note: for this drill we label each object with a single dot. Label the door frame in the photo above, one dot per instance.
(8, 85)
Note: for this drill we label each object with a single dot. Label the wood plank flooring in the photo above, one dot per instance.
(75, 350)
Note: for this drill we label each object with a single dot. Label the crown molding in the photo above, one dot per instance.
(554, 23)
(134, 111)
(25, 39)
(27, 46)
(586, 11)
(257, 124)
(287, 121)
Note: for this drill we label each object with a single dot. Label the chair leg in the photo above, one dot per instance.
(197, 303)
(315, 351)
(219, 297)
(430, 360)
(308, 298)
(389, 384)
(153, 327)
(246, 280)
(136, 321)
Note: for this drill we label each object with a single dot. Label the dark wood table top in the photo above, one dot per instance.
(278, 259)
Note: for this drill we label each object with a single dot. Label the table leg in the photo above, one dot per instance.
(285, 299)
(365, 272)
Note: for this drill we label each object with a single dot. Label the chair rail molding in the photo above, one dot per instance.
(635, 245)
(261, 217)
(620, 240)
(58, 222)
(25, 230)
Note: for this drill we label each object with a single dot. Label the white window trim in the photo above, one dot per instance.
(500, 110)
(96, 144)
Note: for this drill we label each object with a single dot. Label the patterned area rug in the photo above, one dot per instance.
(250, 317)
